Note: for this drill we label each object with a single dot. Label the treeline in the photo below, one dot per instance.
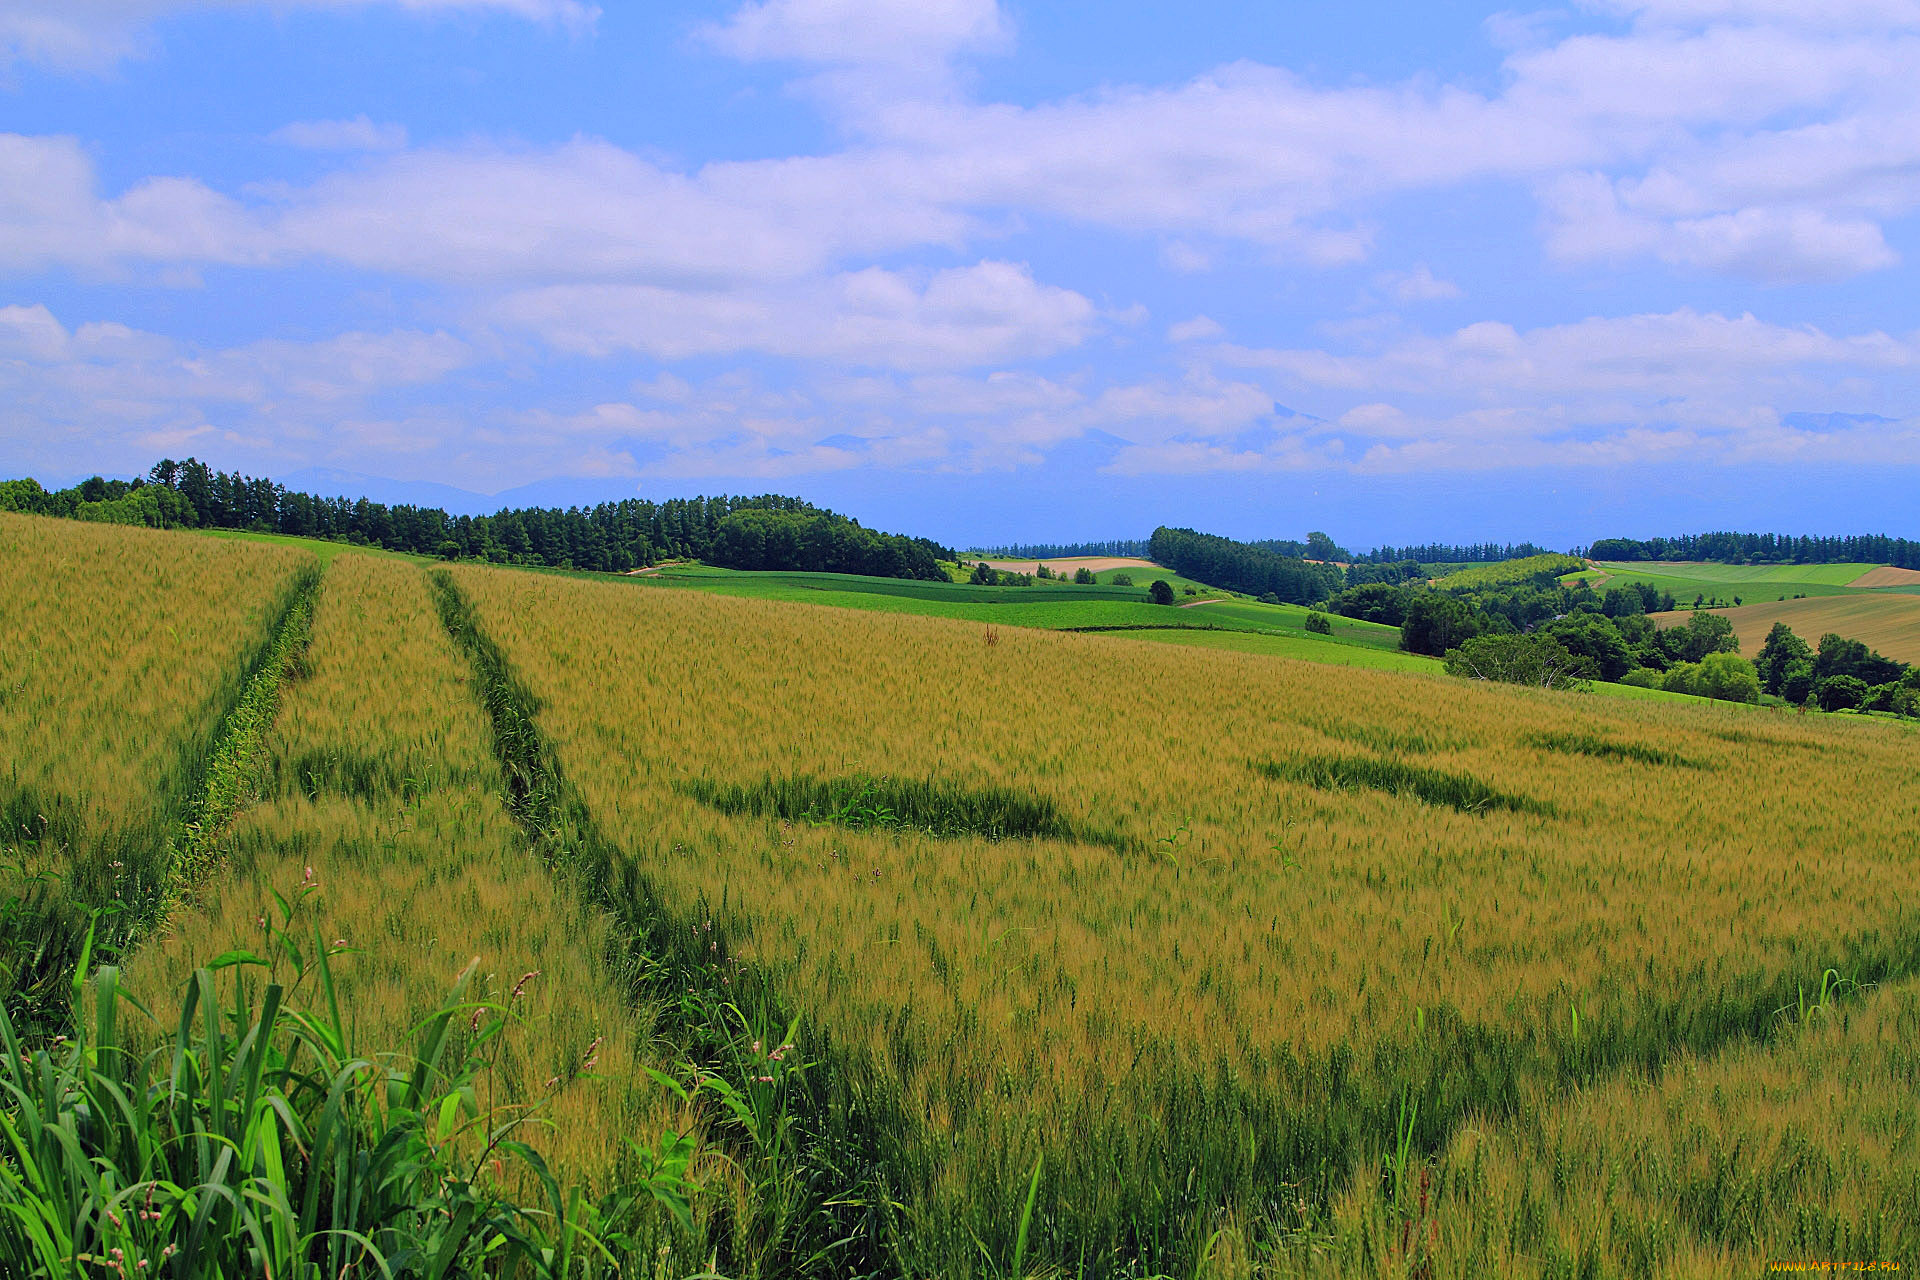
(1244, 567)
(1318, 546)
(1132, 549)
(1763, 548)
(1444, 553)
(1521, 624)
(819, 541)
(611, 537)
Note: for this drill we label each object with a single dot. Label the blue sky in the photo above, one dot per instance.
(1011, 271)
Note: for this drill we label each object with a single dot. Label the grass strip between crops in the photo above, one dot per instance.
(808, 1135)
(234, 761)
(144, 895)
(1588, 744)
(1460, 791)
(889, 804)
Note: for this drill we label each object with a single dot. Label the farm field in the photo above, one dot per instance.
(1240, 950)
(1889, 622)
(1885, 576)
(378, 815)
(1751, 583)
(1013, 949)
(1060, 608)
(1303, 647)
(1094, 564)
(120, 651)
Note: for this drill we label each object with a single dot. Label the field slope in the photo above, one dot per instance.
(1887, 622)
(1279, 909)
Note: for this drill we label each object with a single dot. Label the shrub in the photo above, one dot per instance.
(1796, 682)
(1373, 602)
(1840, 693)
(1642, 678)
(1083, 576)
(1319, 624)
(1160, 592)
(1518, 659)
(1728, 677)
(1437, 623)
(1122, 579)
(1682, 677)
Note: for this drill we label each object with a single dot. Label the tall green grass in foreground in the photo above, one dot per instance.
(262, 1139)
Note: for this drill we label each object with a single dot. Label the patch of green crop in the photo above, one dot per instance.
(1588, 744)
(881, 804)
(1460, 791)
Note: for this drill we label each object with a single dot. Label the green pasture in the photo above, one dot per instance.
(1719, 581)
(1834, 575)
(1052, 607)
(324, 548)
(1305, 648)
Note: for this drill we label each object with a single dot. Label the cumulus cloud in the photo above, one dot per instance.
(1762, 148)
(357, 134)
(1198, 329)
(52, 214)
(842, 32)
(1417, 285)
(107, 391)
(1663, 355)
(91, 35)
(1603, 391)
(956, 317)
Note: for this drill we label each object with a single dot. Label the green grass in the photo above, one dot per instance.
(1460, 791)
(1602, 748)
(1067, 608)
(1751, 582)
(1836, 575)
(1293, 617)
(887, 804)
(769, 585)
(1316, 649)
(262, 1139)
(1634, 693)
(325, 548)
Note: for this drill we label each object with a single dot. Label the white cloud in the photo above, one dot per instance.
(91, 35)
(957, 317)
(1605, 391)
(357, 134)
(1761, 148)
(1417, 285)
(842, 32)
(51, 214)
(1198, 329)
(1668, 355)
(106, 391)
(590, 210)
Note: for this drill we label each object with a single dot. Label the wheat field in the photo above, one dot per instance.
(1108, 957)
(120, 651)
(1265, 977)
(378, 810)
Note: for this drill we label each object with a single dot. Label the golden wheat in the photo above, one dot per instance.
(1270, 954)
(118, 650)
(1806, 1152)
(382, 792)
